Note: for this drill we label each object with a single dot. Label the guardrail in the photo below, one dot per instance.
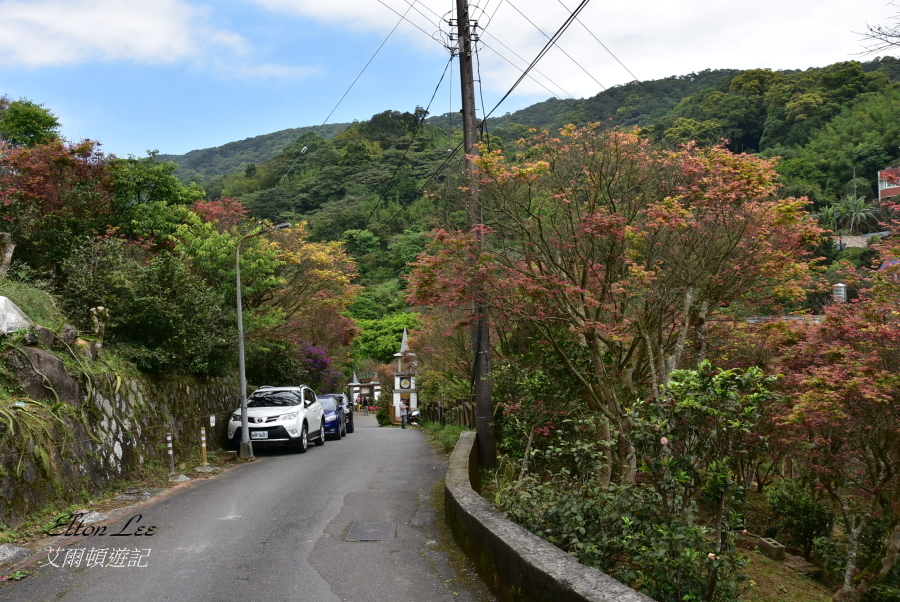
(517, 565)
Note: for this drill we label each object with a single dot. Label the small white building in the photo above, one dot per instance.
(368, 387)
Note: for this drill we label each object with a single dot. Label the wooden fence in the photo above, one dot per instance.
(450, 412)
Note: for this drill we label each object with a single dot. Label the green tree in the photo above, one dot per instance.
(162, 316)
(380, 339)
(24, 123)
(617, 255)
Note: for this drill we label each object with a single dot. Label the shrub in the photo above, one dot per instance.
(800, 516)
(620, 531)
(383, 417)
(444, 436)
(161, 315)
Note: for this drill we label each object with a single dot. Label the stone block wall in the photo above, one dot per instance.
(110, 428)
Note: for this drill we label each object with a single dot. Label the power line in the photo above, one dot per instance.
(580, 66)
(541, 54)
(403, 17)
(481, 95)
(403, 158)
(439, 169)
(633, 76)
(348, 90)
(450, 155)
(535, 80)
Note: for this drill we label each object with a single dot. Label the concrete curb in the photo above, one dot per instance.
(516, 564)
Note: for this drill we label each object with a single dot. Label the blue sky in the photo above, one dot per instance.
(178, 75)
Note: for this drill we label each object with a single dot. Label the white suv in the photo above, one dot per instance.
(281, 416)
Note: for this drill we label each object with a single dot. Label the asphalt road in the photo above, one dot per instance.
(273, 529)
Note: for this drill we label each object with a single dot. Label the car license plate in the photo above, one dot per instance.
(259, 434)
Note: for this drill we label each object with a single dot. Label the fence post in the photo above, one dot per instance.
(203, 461)
(171, 454)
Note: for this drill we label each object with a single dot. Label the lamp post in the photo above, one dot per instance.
(246, 449)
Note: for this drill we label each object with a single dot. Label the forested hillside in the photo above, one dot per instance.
(372, 184)
(201, 165)
(366, 184)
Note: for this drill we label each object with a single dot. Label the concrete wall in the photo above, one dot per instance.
(516, 564)
(114, 428)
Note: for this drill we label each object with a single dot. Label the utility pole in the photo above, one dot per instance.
(481, 342)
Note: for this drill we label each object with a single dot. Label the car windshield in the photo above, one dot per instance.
(273, 399)
(329, 403)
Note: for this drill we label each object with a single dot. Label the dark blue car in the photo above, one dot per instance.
(335, 417)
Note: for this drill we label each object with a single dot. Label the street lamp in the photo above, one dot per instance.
(246, 449)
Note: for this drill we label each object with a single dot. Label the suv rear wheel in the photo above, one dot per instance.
(321, 440)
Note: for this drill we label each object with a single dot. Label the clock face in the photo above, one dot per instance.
(404, 383)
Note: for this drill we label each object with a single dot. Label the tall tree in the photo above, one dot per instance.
(24, 123)
(629, 248)
(51, 194)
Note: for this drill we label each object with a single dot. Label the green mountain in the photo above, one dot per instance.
(365, 183)
(203, 164)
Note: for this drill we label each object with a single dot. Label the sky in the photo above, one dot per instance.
(178, 75)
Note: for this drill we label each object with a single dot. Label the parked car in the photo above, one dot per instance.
(290, 416)
(335, 416)
(344, 400)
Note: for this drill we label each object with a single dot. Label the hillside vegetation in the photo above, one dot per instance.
(638, 251)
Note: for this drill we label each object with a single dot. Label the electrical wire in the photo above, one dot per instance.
(403, 17)
(406, 152)
(610, 52)
(321, 127)
(541, 54)
(535, 80)
(439, 169)
(483, 128)
(560, 48)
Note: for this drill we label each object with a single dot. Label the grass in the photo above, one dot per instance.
(443, 436)
(774, 581)
(153, 476)
(33, 298)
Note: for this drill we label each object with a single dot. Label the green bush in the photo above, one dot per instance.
(444, 436)
(800, 516)
(620, 531)
(383, 417)
(162, 316)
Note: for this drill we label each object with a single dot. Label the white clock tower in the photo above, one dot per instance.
(405, 379)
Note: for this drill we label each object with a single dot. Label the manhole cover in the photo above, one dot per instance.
(371, 531)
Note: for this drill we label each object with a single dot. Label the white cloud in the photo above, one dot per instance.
(653, 38)
(49, 33)
(261, 71)
(59, 32)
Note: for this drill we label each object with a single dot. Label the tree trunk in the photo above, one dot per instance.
(7, 246)
(847, 591)
(601, 424)
(700, 331)
(675, 358)
(720, 518)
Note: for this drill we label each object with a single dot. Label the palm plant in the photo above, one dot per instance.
(855, 215)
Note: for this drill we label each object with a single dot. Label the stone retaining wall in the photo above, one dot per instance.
(113, 429)
(516, 564)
